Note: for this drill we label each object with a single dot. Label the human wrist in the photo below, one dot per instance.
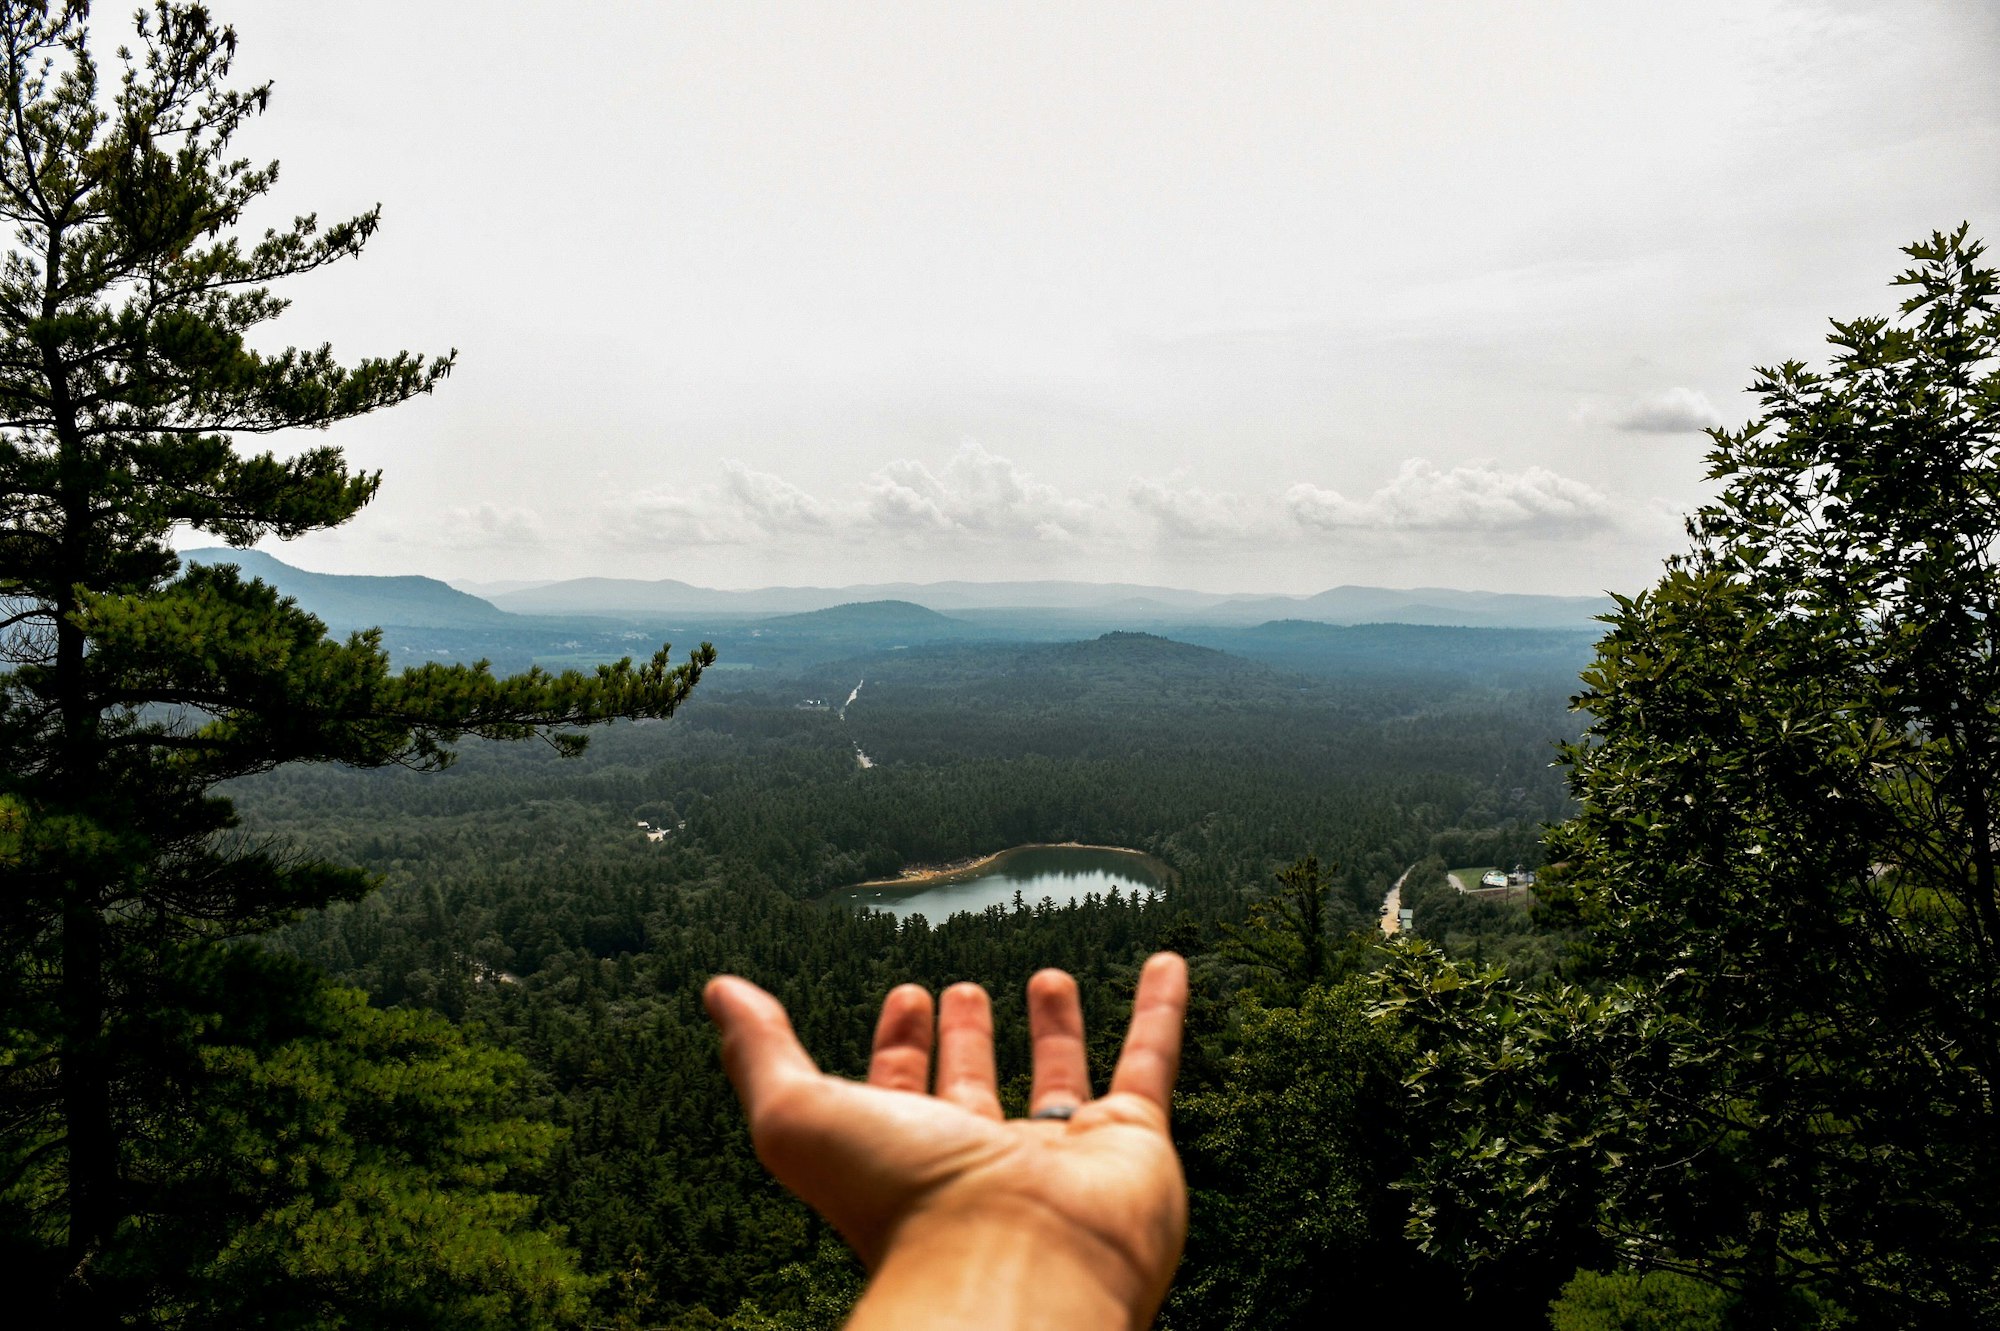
(1003, 1267)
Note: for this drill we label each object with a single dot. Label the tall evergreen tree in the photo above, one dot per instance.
(1786, 857)
(135, 687)
(1285, 940)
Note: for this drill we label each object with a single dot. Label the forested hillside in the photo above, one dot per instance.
(521, 899)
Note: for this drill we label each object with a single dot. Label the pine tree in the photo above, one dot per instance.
(1286, 937)
(134, 687)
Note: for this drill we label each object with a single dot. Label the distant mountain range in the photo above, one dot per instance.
(1087, 602)
(581, 623)
(940, 609)
(627, 597)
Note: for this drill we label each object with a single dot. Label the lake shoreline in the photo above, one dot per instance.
(926, 875)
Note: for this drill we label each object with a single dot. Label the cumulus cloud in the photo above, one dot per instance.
(748, 506)
(1328, 510)
(975, 494)
(488, 527)
(772, 502)
(1476, 496)
(1186, 512)
(979, 503)
(1670, 411)
(648, 518)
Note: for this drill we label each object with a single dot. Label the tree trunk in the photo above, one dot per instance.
(84, 1076)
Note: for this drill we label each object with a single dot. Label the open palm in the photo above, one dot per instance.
(885, 1160)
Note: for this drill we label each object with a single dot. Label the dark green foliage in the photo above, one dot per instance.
(1626, 1301)
(1285, 938)
(1785, 858)
(1666, 1301)
(1522, 1173)
(1292, 1154)
(311, 1161)
(126, 377)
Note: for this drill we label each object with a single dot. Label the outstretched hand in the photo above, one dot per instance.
(956, 1208)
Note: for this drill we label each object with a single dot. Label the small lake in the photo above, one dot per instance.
(1061, 873)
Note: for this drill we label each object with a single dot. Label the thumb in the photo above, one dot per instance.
(760, 1052)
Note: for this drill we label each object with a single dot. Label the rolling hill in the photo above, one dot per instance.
(1073, 605)
(348, 601)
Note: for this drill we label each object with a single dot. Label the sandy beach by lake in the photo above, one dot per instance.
(919, 875)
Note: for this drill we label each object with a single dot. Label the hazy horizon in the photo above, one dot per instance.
(504, 586)
(1203, 296)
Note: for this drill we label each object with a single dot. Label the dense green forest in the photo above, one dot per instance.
(520, 900)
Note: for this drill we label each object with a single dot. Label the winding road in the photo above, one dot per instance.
(1392, 906)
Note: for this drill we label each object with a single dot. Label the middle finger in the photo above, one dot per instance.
(965, 1072)
(1055, 1028)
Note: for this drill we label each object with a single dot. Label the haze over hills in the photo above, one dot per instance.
(891, 615)
(1343, 630)
(1099, 603)
(348, 601)
(1437, 606)
(635, 596)
(1501, 656)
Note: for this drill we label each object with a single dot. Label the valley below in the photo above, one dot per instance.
(855, 805)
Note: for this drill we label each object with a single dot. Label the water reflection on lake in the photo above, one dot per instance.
(1061, 873)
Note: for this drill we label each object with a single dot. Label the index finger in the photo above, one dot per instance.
(1152, 1054)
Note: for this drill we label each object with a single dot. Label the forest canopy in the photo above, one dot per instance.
(323, 1004)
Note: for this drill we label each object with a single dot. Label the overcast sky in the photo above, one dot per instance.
(1238, 297)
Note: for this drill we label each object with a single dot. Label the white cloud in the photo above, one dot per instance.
(1188, 513)
(1328, 510)
(977, 502)
(489, 527)
(976, 497)
(749, 506)
(977, 494)
(650, 518)
(1669, 411)
(1476, 496)
(771, 502)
